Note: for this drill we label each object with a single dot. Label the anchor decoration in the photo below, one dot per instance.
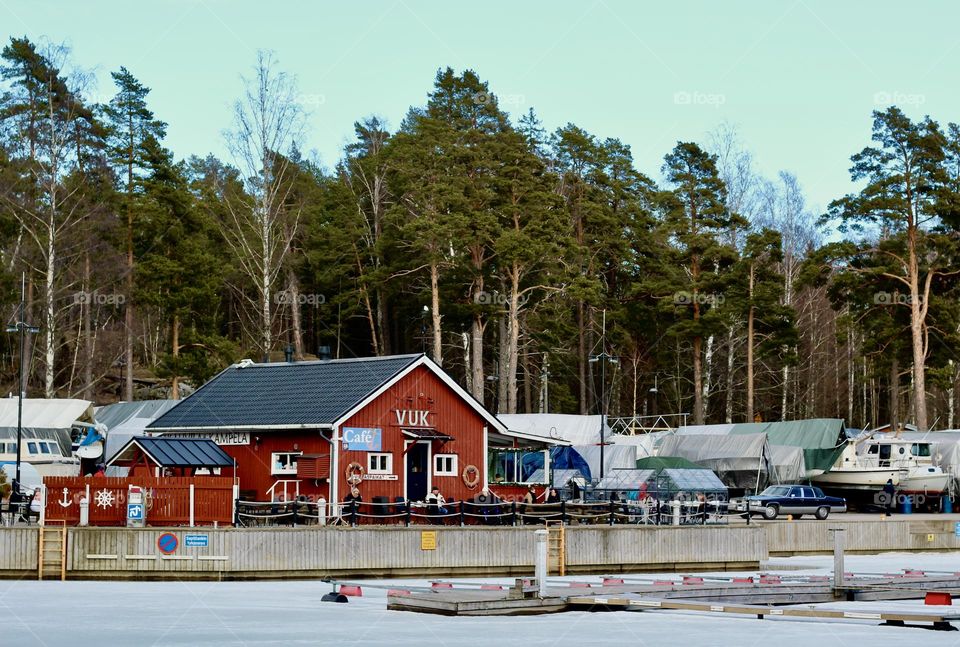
(65, 502)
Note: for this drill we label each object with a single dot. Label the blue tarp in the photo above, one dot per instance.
(561, 458)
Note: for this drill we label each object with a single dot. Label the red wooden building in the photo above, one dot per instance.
(394, 426)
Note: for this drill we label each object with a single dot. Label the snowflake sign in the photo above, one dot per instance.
(104, 498)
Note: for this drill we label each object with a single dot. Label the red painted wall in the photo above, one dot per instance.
(254, 467)
(420, 390)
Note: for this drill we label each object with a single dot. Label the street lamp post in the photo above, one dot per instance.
(22, 328)
(603, 358)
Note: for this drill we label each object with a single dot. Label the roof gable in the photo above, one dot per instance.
(282, 394)
(175, 452)
(429, 364)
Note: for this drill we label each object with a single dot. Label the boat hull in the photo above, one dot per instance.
(860, 479)
(933, 483)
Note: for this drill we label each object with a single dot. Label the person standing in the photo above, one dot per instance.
(889, 495)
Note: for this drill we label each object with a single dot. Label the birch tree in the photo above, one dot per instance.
(49, 202)
(268, 120)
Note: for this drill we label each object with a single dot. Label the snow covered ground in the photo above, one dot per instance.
(291, 613)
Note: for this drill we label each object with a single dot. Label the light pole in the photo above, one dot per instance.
(603, 358)
(22, 328)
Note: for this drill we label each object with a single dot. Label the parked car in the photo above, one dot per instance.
(796, 500)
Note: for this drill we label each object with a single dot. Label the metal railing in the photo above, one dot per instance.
(494, 512)
(635, 425)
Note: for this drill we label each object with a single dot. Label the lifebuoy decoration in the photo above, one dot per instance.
(471, 476)
(355, 473)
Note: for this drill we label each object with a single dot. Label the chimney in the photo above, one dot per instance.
(323, 352)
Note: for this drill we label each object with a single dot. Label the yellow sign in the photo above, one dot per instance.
(428, 540)
(929, 537)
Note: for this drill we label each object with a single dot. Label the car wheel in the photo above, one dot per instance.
(770, 512)
(823, 512)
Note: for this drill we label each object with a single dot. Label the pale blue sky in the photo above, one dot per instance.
(798, 79)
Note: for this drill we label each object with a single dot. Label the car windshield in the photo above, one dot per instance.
(776, 490)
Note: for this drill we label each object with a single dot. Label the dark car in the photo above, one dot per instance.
(796, 500)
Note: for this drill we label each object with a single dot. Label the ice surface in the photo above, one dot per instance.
(291, 613)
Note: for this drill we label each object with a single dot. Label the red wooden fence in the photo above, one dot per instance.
(168, 499)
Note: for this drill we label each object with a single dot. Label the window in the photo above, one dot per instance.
(516, 466)
(920, 449)
(44, 448)
(445, 465)
(380, 463)
(284, 462)
(32, 448)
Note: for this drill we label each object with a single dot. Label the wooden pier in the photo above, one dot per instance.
(757, 596)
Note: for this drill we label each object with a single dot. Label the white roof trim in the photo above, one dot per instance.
(446, 379)
(540, 439)
(130, 443)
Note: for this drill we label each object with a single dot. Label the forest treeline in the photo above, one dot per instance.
(527, 263)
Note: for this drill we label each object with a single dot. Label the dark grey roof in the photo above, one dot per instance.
(283, 394)
(176, 452)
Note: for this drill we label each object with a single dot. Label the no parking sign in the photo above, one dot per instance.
(167, 543)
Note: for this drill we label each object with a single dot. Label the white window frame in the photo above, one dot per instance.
(372, 470)
(454, 464)
(275, 471)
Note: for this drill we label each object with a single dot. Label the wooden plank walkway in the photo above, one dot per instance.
(939, 619)
(753, 598)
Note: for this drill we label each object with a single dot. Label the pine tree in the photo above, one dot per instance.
(905, 185)
(132, 128)
(695, 217)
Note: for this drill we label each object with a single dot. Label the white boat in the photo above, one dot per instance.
(868, 463)
(60, 437)
(43, 453)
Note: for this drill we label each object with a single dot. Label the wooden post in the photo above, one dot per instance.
(540, 571)
(43, 505)
(838, 547)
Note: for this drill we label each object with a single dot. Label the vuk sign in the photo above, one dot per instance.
(362, 439)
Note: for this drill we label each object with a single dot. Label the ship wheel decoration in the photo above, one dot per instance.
(104, 498)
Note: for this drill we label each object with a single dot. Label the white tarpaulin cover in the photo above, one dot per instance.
(646, 444)
(48, 419)
(577, 430)
(126, 420)
(738, 460)
(615, 457)
(45, 414)
(788, 464)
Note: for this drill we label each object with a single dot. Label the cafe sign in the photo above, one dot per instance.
(362, 439)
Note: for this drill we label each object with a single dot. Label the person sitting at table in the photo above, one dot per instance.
(436, 504)
(487, 500)
(553, 496)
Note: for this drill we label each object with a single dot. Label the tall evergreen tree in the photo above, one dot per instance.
(905, 186)
(695, 217)
(132, 129)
